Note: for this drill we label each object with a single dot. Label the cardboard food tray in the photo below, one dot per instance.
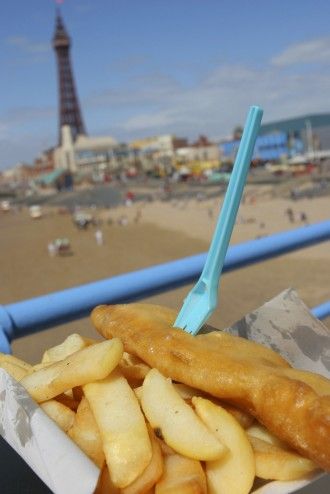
(284, 324)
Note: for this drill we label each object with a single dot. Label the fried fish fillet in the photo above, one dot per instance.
(294, 405)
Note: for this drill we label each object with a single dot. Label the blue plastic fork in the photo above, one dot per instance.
(203, 298)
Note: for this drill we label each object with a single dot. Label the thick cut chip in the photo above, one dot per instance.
(259, 431)
(235, 473)
(175, 421)
(62, 415)
(85, 433)
(123, 430)
(41, 365)
(87, 365)
(151, 474)
(15, 371)
(5, 357)
(73, 343)
(187, 393)
(274, 463)
(182, 476)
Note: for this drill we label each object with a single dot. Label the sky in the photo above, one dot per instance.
(142, 68)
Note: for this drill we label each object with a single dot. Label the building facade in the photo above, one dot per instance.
(200, 150)
(312, 129)
(270, 147)
(308, 135)
(89, 155)
(157, 154)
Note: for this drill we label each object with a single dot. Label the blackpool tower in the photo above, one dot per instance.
(69, 109)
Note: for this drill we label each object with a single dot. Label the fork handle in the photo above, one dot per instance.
(225, 224)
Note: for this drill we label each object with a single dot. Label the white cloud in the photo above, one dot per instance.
(316, 50)
(220, 101)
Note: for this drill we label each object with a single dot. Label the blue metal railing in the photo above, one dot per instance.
(321, 311)
(29, 316)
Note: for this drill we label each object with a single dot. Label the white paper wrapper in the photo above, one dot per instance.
(62, 466)
(284, 324)
(293, 486)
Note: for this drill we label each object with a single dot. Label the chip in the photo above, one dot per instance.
(87, 365)
(175, 422)
(123, 430)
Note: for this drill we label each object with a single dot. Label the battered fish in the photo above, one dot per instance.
(294, 405)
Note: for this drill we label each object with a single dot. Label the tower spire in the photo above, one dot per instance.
(69, 108)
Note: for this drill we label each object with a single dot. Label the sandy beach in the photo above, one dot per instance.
(157, 232)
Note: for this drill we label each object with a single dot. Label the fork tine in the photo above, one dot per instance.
(197, 307)
(192, 318)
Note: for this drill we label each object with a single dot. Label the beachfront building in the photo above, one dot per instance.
(20, 174)
(156, 154)
(306, 137)
(92, 156)
(312, 129)
(18, 180)
(44, 162)
(199, 156)
(275, 146)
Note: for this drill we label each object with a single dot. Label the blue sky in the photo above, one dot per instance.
(148, 67)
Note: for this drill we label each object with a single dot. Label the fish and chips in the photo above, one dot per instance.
(242, 372)
(162, 412)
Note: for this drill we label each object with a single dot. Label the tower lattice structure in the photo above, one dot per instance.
(69, 108)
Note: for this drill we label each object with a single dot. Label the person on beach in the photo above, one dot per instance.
(99, 237)
(122, 220)
(52, 250)
(290, 215)
(129, 198)
(138, 216)
(303, 217)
